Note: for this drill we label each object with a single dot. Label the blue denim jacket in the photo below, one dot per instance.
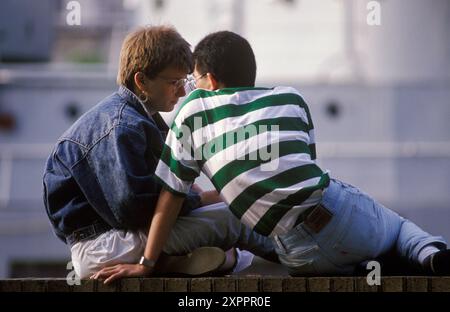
(101, 170)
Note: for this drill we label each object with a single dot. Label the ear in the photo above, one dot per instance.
(213, 83)
(139, 81)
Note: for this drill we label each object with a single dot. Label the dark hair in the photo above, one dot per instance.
(151, 49)
(228, 57)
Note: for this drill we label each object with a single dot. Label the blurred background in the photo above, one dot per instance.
(376, 75)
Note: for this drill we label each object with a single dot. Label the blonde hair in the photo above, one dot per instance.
(150, 50)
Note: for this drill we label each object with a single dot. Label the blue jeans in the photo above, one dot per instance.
(360, 229)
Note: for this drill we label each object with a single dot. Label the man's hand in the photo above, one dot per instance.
(210, 197)
(196, 188)
(206, 197)
(112, 273)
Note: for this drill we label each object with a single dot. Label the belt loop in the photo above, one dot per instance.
(279, 244)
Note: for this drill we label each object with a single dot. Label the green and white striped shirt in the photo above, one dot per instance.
(257, 147)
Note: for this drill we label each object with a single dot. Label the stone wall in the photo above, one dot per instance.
(234, 284)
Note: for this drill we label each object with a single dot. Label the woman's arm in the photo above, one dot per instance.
(164, 218)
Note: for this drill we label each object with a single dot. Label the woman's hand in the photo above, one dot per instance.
(109, 274)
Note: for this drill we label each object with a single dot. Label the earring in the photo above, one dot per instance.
(144, 99)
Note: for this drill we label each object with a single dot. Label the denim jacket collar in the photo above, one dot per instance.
(134, 101)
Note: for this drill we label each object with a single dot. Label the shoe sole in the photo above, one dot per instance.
(440, 263)
(201, 261)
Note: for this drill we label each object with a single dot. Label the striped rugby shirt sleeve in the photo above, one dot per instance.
(177, 169)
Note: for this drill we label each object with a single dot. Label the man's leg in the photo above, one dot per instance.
(378, 229)
(412, 242)
(215, 225)
(361, 229)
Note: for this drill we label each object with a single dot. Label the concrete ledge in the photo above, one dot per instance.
(234, 284)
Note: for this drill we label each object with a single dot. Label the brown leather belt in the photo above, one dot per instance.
(88, 232)
(315, 218)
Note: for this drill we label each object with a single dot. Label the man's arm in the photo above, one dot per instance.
(166, 213)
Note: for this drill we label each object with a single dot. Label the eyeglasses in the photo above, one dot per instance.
(177, 83)
(189, 83)
(192, 82)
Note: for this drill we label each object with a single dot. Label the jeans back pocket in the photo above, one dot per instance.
(359, 238)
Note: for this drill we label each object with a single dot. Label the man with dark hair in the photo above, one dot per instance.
(225, 55)
(319, 225)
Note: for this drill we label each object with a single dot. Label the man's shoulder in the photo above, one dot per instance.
(201, 100)
(286, 90)
(207, 94)
(204, 95)
(241, 94)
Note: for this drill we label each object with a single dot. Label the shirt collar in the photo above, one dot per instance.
(135, 101)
